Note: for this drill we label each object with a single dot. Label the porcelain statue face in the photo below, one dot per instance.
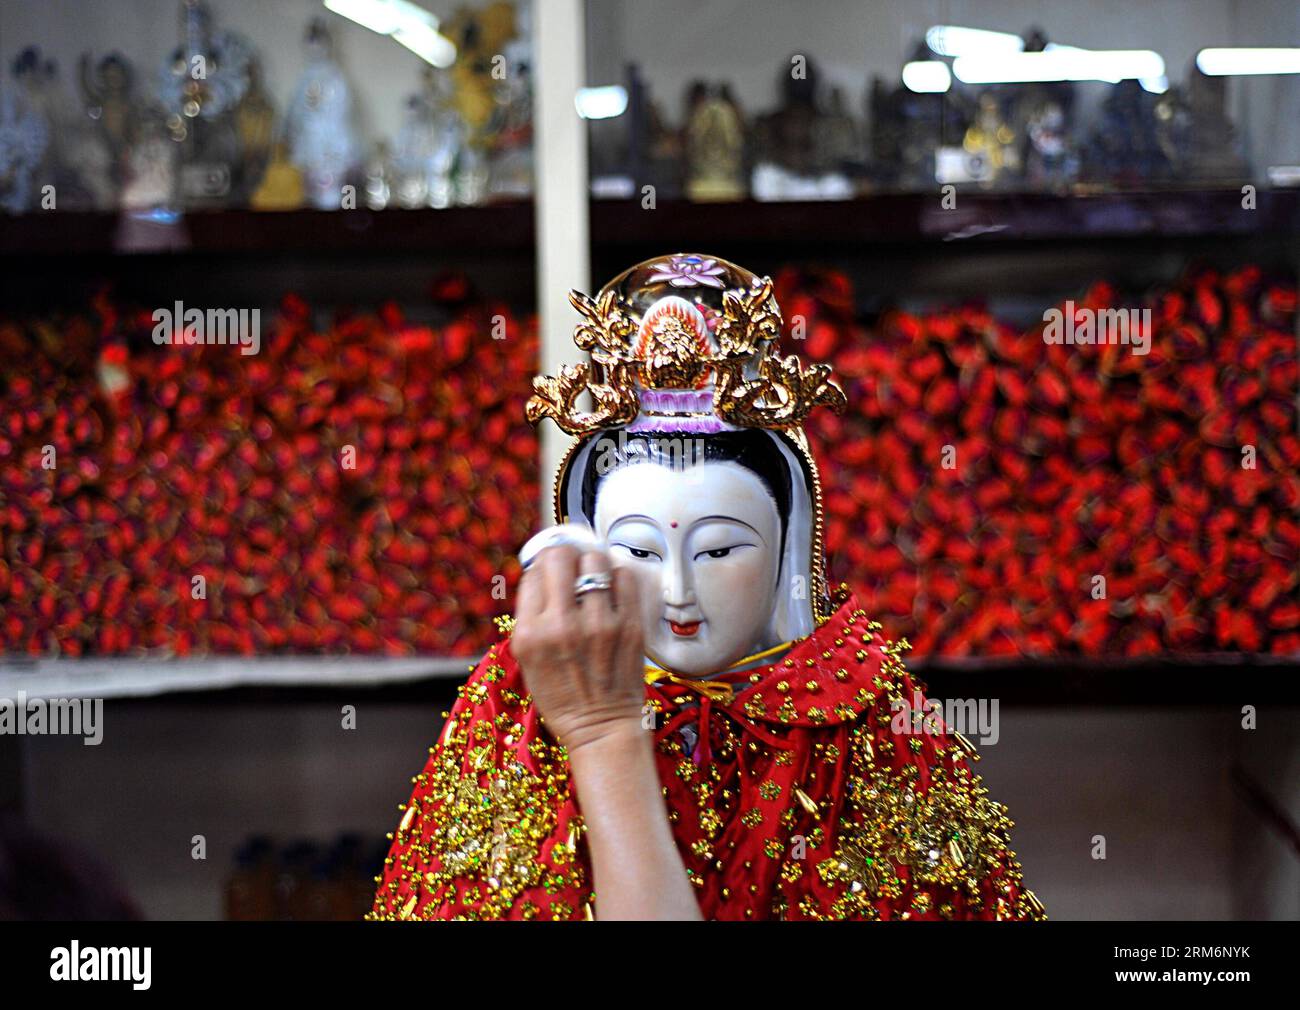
(704, 541)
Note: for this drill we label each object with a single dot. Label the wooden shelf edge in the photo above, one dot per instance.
(1167, 682)
(919, 218)
(456, 231)
(508, 227)
(134, 678)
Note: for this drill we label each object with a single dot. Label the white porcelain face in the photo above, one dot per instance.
(704, 542)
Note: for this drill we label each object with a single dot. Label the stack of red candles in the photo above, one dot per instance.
(362, 487)
(359, 488)
(992, 494)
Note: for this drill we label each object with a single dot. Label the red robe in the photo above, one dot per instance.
(808, 798)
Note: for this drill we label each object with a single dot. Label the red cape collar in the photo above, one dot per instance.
(826, 678)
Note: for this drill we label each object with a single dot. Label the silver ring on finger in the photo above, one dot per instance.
(591, 582)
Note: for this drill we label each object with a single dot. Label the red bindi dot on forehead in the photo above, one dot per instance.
(672, 523)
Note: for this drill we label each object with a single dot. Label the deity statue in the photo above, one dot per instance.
(840, 136)
(511, 164)
(150, 174)
(992, 142)
(1214, 155)
(321, 135)
(107, 89)
(683, 720)
(282, 186)
(796, 146)
(75, 170)
(378, 177)
(201, 84)
(1048, 158)
(255, 124)
(481, 79)
(910, 130)
(906, 131)
(24, 137)
(1123, 149)
(1041, 115)
(715, 145)
(428, 144)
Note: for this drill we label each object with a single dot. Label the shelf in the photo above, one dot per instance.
(508, 228)
(503, 228)
(1164, 682)
(896, 218)
(135, 678)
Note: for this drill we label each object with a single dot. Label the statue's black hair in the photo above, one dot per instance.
(752, 448)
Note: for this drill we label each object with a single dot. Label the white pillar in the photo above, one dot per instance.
(561, 186)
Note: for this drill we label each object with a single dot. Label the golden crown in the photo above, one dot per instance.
(687, 342)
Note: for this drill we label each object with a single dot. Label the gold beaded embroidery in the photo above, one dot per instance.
(949, 836)
(481, 831)
(484, 830)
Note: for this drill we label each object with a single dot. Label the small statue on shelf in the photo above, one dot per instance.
(991, 143)
(839, 137)
(481, 36)
(1195, 136)
(428, 145)
(319, 124)
(511, 161)
(1173, 128)
(909, 132)
(784, 137)
(650, 152)
(201, 85)
(255, 124)
(1214, 151)
(24, 138)
(715, 145)
(207, 74)
(76, 162)
(378, 176)
(1049, 160)
(282, 185)
(107, 92)
(792, 161)
(1123, 149)
(663, 149)
(150, 174)
(1042, 117)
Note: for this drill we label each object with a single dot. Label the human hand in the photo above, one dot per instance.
(582, 657)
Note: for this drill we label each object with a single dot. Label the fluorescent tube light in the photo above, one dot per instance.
(601, 103)
(1240, 62)
(953, 40)
(403, 22)
(1060, 63)
(927, 77)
